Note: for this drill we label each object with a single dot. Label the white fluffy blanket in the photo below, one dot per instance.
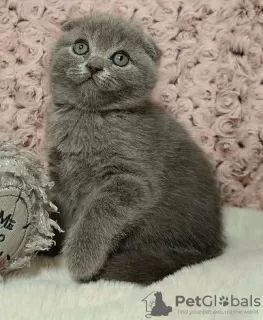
(46, 291)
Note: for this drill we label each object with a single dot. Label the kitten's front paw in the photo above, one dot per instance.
(82, 263)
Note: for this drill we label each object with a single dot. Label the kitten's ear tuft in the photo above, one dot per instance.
(153, 50)
(67, 25)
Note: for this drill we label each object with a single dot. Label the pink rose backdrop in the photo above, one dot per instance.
(211, 76)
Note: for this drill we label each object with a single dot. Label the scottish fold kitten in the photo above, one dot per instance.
(137, 197)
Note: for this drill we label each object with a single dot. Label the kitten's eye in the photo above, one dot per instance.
(121, 59)
(80, 48)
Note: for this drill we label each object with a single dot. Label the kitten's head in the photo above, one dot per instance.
(102, 61)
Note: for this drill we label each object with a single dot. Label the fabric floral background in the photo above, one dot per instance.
(211, 76)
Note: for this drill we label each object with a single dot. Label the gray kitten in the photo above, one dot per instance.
(137, 197)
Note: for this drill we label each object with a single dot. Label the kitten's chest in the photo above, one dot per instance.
(85, 148)
(92, 146)
(82, 138)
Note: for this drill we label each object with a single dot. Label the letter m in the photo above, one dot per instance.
(4, 221)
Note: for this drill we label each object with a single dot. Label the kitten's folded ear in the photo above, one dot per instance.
(68, 25)
(152, 49)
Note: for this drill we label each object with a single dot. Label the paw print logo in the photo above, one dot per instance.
(223, 301)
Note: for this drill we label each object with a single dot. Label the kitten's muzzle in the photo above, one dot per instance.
(94, 65)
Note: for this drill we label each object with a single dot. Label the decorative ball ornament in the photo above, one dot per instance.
(25, 225)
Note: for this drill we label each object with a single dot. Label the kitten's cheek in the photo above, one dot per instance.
(74, 77)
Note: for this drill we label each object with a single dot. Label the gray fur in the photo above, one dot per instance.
(137, 197)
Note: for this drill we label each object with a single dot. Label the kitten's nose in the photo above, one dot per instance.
(93, 69)
(94, 65)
